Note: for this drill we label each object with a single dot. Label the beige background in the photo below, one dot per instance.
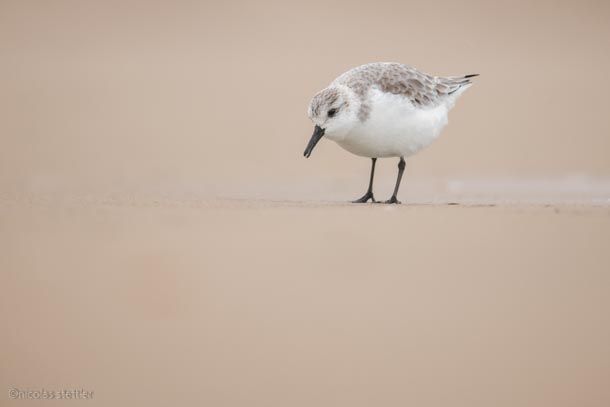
(100, 96)
(164, 242)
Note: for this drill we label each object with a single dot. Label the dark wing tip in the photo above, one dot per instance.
(472, 75)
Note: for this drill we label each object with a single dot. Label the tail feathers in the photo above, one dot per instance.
(455, 83)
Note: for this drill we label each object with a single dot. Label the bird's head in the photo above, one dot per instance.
(333, 112)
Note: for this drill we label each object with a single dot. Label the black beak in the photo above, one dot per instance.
(318, 132)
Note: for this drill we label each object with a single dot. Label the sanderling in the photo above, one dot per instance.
(382, 110)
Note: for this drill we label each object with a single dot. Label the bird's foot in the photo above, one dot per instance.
(393, 200)
(365, 198)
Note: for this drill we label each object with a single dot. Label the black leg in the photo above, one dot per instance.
(401, 169)
(369, 192)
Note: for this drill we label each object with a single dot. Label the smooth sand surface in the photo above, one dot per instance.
(261, 303)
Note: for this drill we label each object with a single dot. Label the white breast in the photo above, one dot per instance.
(395, 127)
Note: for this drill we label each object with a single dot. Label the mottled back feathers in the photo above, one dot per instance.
(421, 89)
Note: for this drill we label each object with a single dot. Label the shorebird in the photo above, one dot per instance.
(384, 109)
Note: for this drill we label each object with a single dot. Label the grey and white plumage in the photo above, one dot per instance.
(421, 89)
(384, 109)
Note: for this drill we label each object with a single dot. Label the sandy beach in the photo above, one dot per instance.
(164, 242)
(232, 302)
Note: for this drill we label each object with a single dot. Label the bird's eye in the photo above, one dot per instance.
(331, 112)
